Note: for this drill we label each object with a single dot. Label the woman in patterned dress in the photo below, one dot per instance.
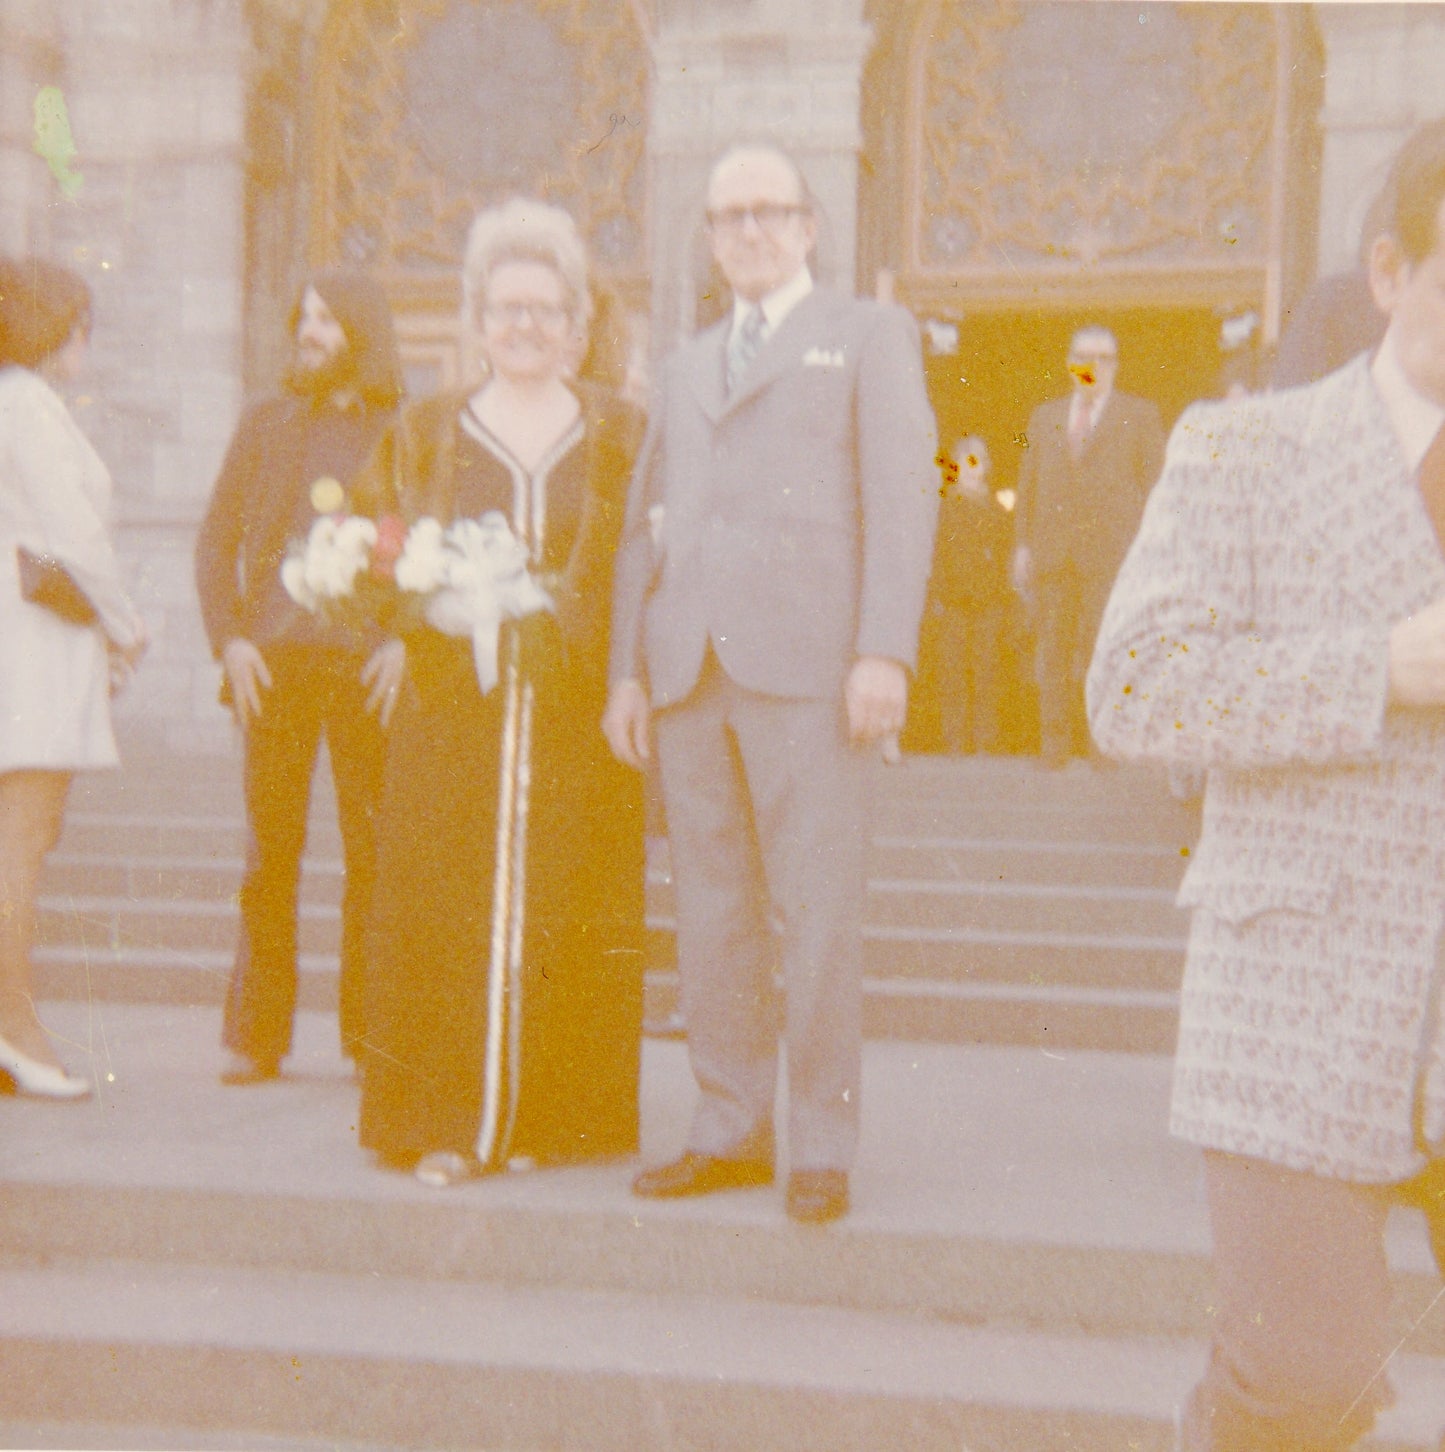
(504, 987)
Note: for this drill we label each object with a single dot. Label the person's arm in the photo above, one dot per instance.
(221, 539)
(1181, 671)
(584, 595)
(898, 487)
(52, 460)
(627, 720)
(376, 492)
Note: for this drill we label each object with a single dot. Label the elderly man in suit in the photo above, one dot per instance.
(1090, 462)
(1280, 622)
(768, 594)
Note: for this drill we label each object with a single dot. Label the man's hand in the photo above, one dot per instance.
(246, 671)
(627, 724)
(382, 675)
(877, 696)
(1417, 658)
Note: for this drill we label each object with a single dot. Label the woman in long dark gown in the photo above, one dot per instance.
(504, 988)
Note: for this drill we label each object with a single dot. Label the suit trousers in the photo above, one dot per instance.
(767, 815)
(1069, 607)
(1297, 1362)
(313, 691)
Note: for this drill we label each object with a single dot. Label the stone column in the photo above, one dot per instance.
(156, 95)
(1384, 75)
(29, 59)
(783, 70)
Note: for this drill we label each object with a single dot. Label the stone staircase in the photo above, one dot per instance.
(1006, 904)
(1025, 1268)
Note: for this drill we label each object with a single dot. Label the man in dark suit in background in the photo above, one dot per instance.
(291, 675)
(1091, 460)
(768, 594)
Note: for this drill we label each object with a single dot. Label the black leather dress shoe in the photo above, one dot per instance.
(817, 1196)
(250, 1071)
(695, 1174)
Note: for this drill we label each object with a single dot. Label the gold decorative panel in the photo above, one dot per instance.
(427, 110)
(1055, 145)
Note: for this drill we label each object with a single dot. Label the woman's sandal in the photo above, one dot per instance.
(442, 1168)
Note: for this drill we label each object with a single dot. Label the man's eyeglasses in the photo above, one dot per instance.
(771, 217)
(516, 314)
(1086, 358)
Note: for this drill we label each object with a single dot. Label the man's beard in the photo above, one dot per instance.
(318, 381)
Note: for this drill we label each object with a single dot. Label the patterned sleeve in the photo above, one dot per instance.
(1183, 671)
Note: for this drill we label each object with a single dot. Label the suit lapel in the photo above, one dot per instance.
(707, 370)
(1353, 450)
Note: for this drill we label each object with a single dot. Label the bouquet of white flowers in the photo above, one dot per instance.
(325, 568)
(475, 576)
(472, 576)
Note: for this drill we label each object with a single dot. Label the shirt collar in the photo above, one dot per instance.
(1415, 418)
(777, 304)
(1091, 401)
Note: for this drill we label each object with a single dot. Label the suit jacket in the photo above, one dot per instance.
(1248, 633)
(251, 518)
(1084, 513)
(790, 524)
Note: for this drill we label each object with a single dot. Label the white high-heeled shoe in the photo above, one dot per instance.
(41, 1080)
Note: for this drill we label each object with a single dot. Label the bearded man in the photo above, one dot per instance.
(290, 675)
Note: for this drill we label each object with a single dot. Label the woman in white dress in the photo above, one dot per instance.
(56, 675)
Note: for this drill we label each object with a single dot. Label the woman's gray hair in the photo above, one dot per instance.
(525, 230)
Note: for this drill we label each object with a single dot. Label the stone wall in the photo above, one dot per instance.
(155, 91)
(788, 70)
(1385, 74)
(157, 97)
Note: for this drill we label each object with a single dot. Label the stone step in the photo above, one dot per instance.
(314, 1355)
(124, 925)
(307, 1354)
(1016, 860)
(913, 929)
(1059, 931)
(1128, 1021)
(1025, 1267)
(128, 858)
(975, 960)
(939, 905)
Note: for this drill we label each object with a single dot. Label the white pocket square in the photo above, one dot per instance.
(824, 358)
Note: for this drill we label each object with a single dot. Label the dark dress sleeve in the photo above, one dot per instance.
(584, 596)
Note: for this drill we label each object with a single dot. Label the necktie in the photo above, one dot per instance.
(1432, 484)
(743, 346)
(1080, 420)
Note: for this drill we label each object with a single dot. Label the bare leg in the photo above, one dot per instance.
(32, 809)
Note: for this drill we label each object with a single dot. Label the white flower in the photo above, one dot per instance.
(476, 576)
(293, 577)
(422, 565)
(326, 566)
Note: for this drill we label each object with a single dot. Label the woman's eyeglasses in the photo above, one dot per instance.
(518, 314)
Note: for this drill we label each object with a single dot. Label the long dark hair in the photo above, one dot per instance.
(41, 305)
(359, 304)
